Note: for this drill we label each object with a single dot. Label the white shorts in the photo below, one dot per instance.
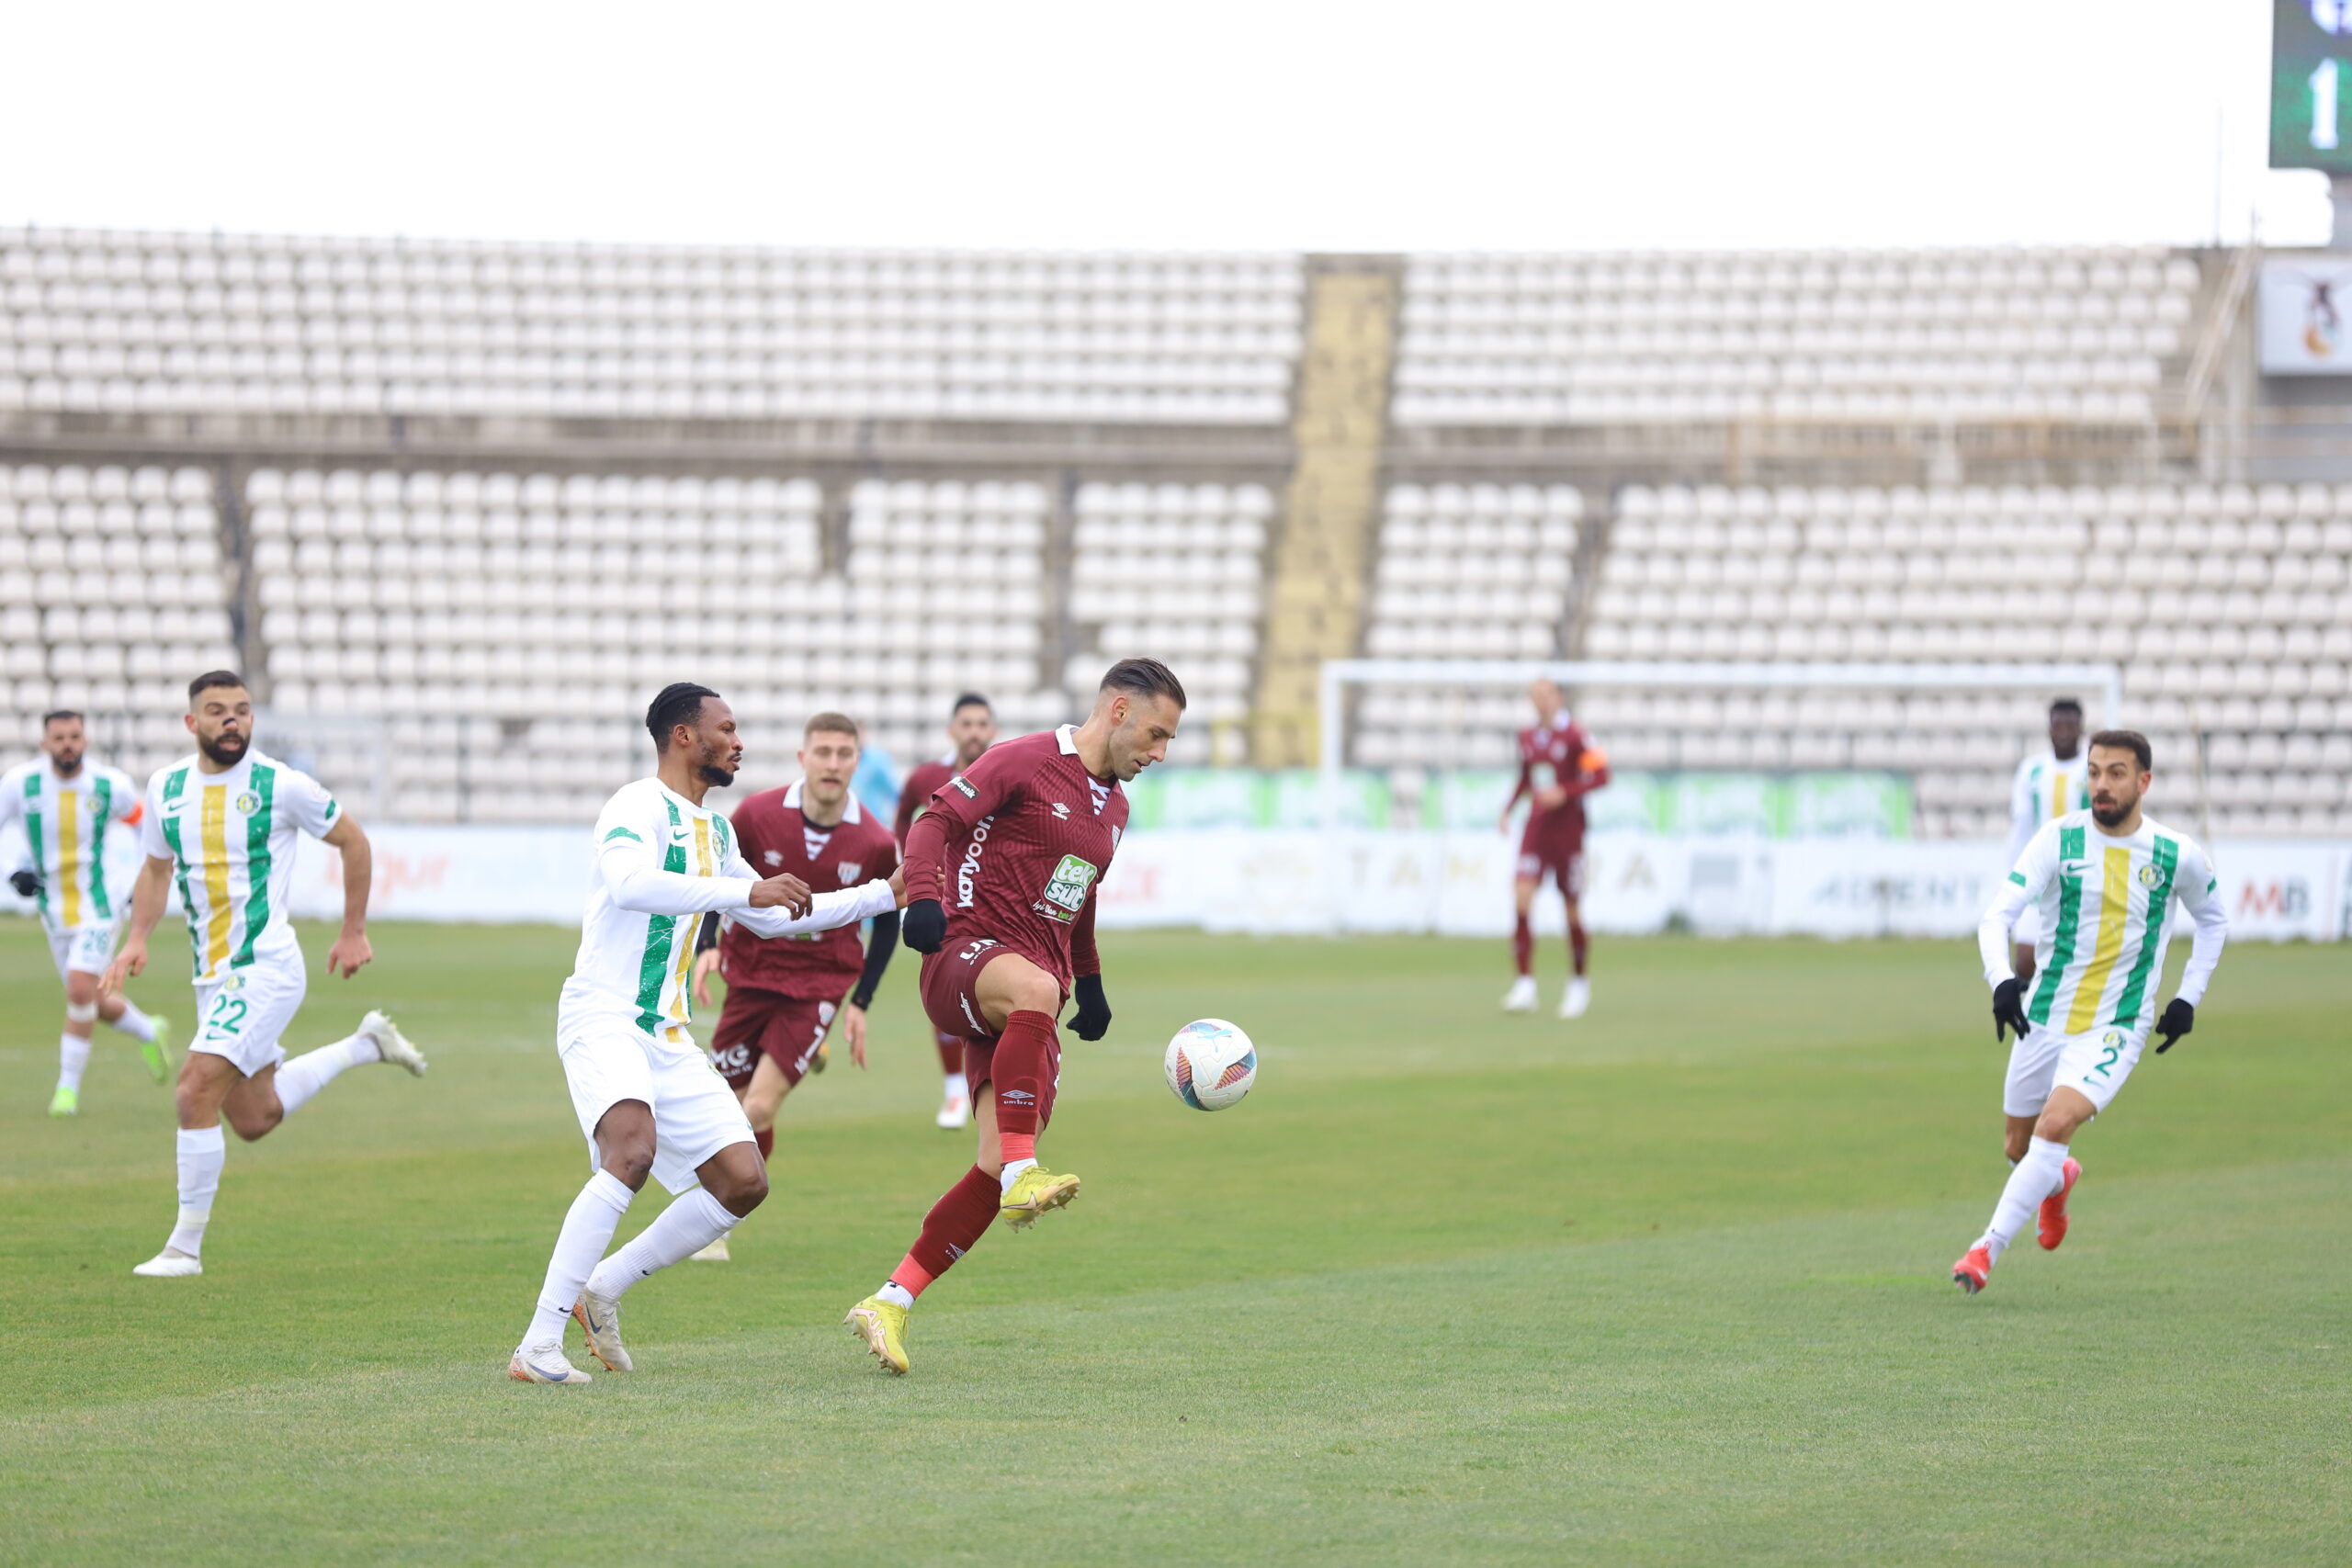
(241, 1015)
(2093, 1064)
(84, 949)
(608, 1059)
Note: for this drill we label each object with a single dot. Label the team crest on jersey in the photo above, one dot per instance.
(849, 869)
(2149, 875)
(247, 803)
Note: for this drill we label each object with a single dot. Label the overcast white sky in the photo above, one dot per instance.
(1461, 124)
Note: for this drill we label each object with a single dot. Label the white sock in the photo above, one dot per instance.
(203, 1151)
(133, 1022)
(1012, 1169)
(2040, 1173)
(73, 1059)
(895, 1294)
(304, 1077)
(588, 1228)
(692, 1222)
(953, 1088)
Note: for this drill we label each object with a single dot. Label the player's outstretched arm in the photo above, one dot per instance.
(147, 899)
(351, 950)
(825, 910)
(2022, 887)
(2201, 890)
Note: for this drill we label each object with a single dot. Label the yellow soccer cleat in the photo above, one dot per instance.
(883, 1325)
(65, 1102)
(1033, 1192)
(156, 1052)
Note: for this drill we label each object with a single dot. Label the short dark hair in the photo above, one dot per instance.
(212, 678)
(1144, 678)
(678, 702)
(971, 700)
(832, 723)
(60, 716)
(2129, 740)
(2066, 704)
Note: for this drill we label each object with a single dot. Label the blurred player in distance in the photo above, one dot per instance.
(2048, 785)
(1024, 837)
(971, 731)
(649, 1101)
(2106, 879)
(221, 823)
(65, 803)
(1558, 766)
(784, 995)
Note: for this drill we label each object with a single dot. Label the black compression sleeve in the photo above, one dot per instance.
(706, 937)
(878, 948)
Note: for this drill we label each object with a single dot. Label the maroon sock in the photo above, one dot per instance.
(1522, 946)
(1022, 1070)
(951, 1053)
(1578, 946)
(766, 1138)
(957, 1221)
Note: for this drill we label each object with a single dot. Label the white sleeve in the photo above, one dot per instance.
(12, 796)
(2024, 884)
(826, 911)
(152, 842)
(2200, 890)
(128, 799)
(2021, 811)
(307, 803)
(628, 840)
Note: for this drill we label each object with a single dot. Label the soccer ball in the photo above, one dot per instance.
(1210, 1064)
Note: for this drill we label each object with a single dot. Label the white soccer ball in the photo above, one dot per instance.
(1210, 1064)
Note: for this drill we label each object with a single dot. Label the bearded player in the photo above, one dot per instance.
(971, 730)
(782, 993)
(1558, 766)
(1027, 833)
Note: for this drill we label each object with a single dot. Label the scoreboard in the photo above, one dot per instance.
(2311, 85)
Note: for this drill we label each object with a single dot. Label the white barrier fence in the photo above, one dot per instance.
(1456, 883)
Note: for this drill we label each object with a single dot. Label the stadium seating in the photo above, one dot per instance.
(172, 323)
(1648, 337)
(113, 591)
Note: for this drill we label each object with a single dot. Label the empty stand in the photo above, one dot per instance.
(276, 325)
(1658, 337)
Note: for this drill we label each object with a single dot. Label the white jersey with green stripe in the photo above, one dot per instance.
(2105, 907)
(663, 862)
(2045, 788)
(229, 837)
(65, 823)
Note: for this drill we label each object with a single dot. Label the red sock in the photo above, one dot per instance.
(1523, 945)
(766, 1138)
(957, 1221)
(1577, 945)
(1023, 1071)
(951, 1053)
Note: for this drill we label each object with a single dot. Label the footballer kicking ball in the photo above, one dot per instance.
(1210, 1064)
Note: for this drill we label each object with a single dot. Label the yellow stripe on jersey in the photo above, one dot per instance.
(2114, 913)
(68, 853)
(683, 965)
(213, 840)
(2058, 794)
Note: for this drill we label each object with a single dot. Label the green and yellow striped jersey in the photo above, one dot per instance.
(65, 823)
(229, 837)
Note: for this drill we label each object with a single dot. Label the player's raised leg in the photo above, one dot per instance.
(624, 1159)
(2040, 1175)
(734, 1182)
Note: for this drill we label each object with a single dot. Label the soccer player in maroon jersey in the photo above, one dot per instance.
(1558, 766)
(971, 730)
(1023, 839)
(783, 995)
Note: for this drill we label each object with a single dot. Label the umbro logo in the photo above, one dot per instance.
(773, 857)
(1061, 811)
(1015, 1096)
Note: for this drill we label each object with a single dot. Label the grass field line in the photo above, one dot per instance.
(2123, 1235)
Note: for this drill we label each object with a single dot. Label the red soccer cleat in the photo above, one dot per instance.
(2053, 1229)
(1973, 1271)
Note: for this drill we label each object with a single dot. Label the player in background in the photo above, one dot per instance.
(2105, 880)
(971, 730)
(783, 995)
(221, 823)
(1025, 838)
(649, 1102)
(1558, 766)
(2048, 785)
(65, 803)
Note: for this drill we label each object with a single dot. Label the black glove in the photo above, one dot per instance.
(27, 882)
(2180, 1017)
(2008, 1009)
(924, 926)
(1093, 1019)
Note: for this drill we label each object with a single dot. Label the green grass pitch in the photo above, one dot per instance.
(1666, 1285)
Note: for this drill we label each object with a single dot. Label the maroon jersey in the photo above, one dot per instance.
(777, 839)
(1561, 754)
(916, 797)
(1014, 847)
